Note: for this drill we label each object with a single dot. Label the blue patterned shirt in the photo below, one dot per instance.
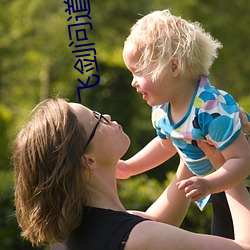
(213, 115)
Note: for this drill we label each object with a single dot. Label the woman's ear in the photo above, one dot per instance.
(175, 66)
(89, 161)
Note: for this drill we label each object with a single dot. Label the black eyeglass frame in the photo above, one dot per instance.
(100, 118)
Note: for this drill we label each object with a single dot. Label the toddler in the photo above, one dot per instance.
(170, 59)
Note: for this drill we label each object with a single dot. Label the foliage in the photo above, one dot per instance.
(36, 63)
(9, 231)
(5, 124)
(139, 192)
(245, 103)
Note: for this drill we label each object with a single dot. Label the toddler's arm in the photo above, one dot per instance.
(153, 154)
(235, 170)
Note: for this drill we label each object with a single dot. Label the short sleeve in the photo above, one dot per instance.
(159, 121)
(219, 120)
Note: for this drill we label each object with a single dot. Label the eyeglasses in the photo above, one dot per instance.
(100, 118)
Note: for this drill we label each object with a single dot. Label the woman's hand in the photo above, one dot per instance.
(245, 124)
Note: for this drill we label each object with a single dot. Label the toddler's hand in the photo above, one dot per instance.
(122, 170)
(194, 187)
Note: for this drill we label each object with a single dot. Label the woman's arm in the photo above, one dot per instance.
(171, 207)
(239, 203)
(160, 236)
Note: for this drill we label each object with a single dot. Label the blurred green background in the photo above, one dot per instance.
(36, 63)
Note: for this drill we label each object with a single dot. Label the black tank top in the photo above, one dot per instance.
(102, 229)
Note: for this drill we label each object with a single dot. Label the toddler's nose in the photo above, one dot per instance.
(134, 83)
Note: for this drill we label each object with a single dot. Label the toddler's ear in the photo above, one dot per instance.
(175, 66)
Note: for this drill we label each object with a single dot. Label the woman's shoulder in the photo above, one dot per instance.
(110, 227)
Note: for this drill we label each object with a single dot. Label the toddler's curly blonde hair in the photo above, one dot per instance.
(161, 36)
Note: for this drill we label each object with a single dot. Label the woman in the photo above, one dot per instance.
(65, 166)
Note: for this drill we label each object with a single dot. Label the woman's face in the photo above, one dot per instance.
(109, 138)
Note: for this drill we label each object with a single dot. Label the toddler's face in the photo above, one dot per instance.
(152, 92)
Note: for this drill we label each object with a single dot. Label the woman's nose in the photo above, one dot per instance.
(108, 117)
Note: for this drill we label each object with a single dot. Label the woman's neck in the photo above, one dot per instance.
(102, 189)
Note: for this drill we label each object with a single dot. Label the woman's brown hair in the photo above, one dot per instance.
(49, 186)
